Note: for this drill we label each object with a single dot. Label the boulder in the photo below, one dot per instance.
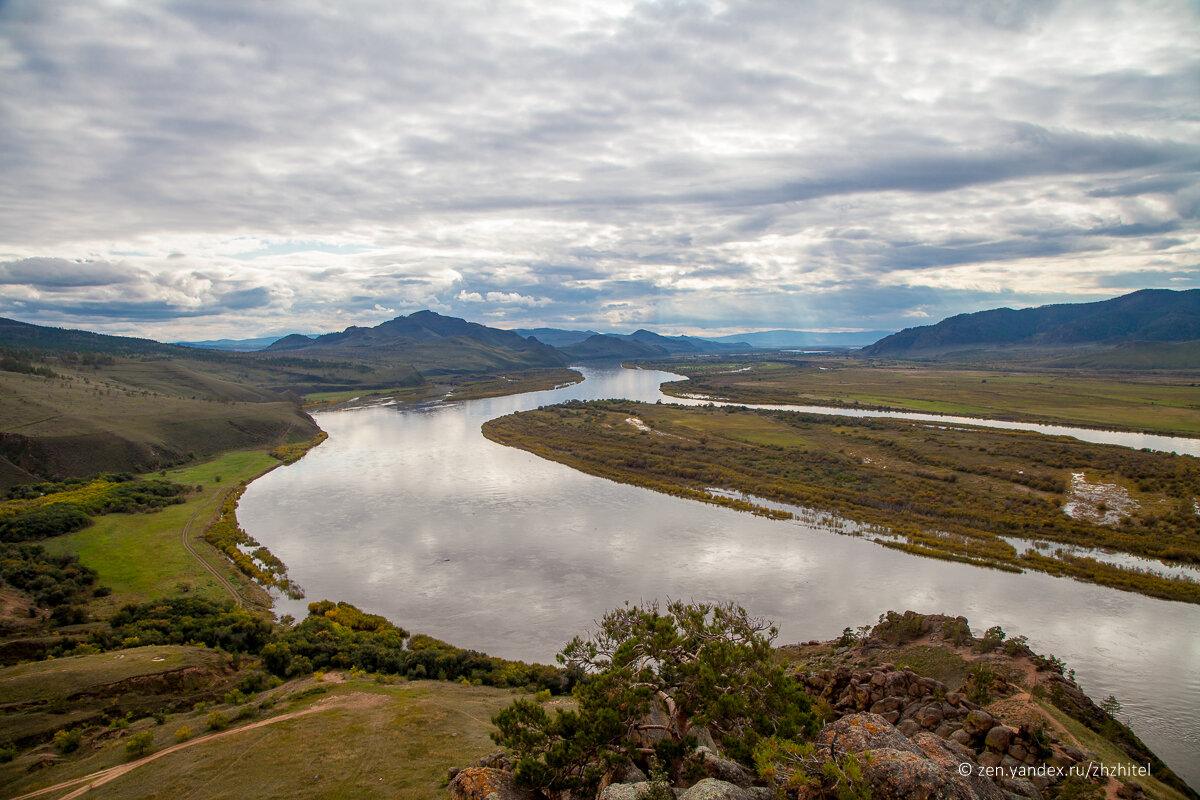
(902, 775)
(928, 717)
(998, 738)
(857, 733)
(627, 791)
(713, 766)
(950, 755)
(713, 789)
(978, 722)
(485, 783)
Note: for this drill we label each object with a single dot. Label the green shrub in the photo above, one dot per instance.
(139, 744)
(993, 638)
(183, 733)
(216, 721)
(68, 741)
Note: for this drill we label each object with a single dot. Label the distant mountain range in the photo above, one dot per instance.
(565, 338)
(790, 338)
(235, 345)
(1149, 315)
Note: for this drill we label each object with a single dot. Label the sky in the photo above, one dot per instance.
(201, 169)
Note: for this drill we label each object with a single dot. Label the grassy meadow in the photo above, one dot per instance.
(141, 557)
(1155, 403)
(332, 735)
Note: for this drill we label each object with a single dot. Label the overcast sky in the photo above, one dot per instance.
(203, 168)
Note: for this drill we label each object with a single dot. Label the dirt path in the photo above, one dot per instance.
(183, 537)
(87, 782)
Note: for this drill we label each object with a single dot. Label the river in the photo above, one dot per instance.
(411, 513)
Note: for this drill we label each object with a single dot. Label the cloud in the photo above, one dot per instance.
(218, 167)
(58, 273)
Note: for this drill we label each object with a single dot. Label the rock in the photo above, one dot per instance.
(713, 766)
(485, 783)
(713, 789)
(929, 717)
(626, 791)
(1074, 753)
(888, 704)
(1018, 751)
(978, 722)
(961, 736)
(704, 738)
(496, 760)
(999, 738)
(1020, 787)
(891, 716)
(1011, 765)
(858, 733)
(908, 727)
(902, 775)
(949, 756)
(990, 759)
(1130, 791)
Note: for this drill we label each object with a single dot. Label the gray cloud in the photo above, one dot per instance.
(59, 273)
(693, 164)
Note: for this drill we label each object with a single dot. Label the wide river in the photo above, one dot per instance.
(411, 513)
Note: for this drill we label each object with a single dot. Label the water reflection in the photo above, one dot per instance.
(414, 515)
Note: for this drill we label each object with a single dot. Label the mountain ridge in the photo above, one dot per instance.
(1158, 315)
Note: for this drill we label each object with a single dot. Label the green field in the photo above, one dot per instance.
(141, 556)
(360, 739)
(1168, 404)
(41, 681)
(952, 492)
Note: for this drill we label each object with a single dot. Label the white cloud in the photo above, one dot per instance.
(598, 163)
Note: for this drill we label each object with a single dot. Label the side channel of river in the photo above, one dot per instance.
(411, 513)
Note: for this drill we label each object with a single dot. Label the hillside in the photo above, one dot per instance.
(433, 344)
(133, 417)
(79, 402)
(1155, 315)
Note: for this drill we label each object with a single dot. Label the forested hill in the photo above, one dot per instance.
(1155, 315)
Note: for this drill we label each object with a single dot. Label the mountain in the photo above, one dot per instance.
(234, 345)
(293, 341)
(1157, 315)
(684, 344)
(432, 343)
(601, 346)
(556, 337)
(671, 345)
(24, 334)
(791, 338)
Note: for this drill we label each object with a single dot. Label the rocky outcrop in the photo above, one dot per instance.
(486, 783)
(917, 705)
(899, 768)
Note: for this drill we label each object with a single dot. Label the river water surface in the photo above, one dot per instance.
(411, 513)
